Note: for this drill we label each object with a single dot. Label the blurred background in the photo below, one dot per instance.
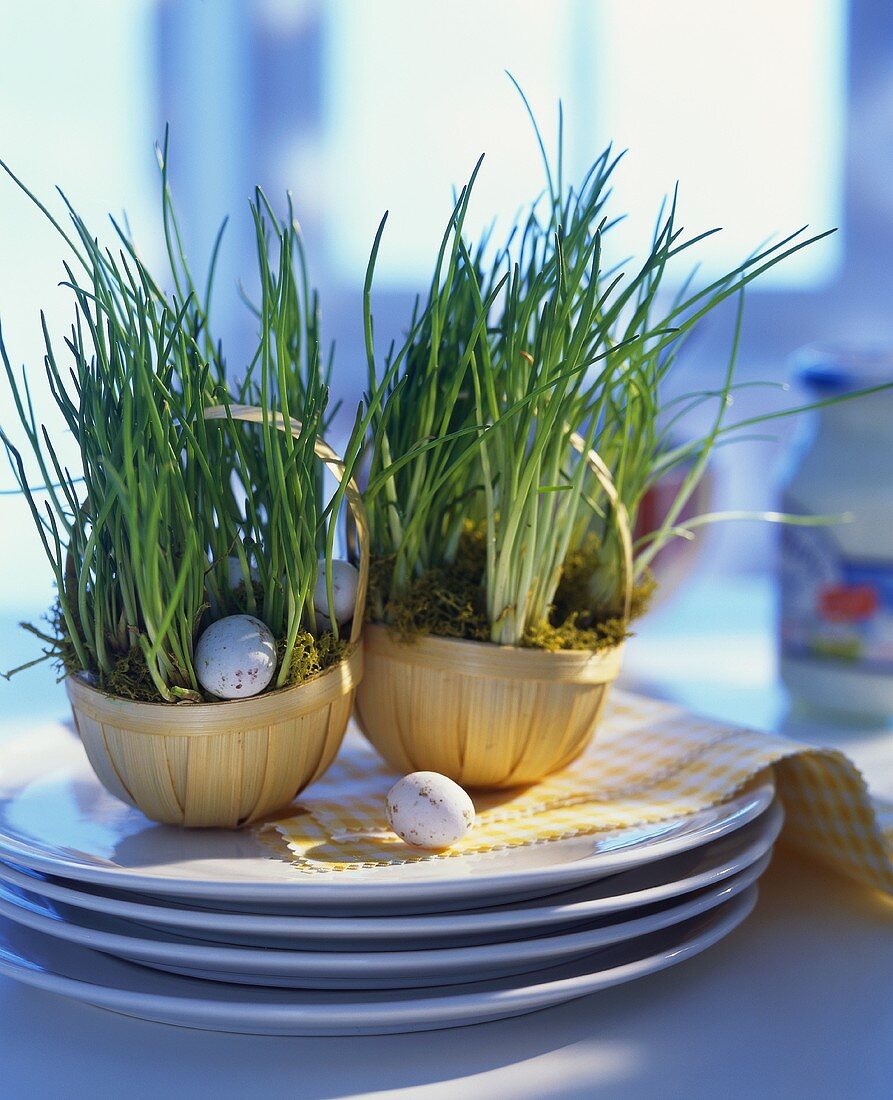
(771, 115)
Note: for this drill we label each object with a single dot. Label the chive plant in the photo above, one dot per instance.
(174, 519)
(537, 374)
(285, 374)
(125, 541)
(423, 434)
(287, 370)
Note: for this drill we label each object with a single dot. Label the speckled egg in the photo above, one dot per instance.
(235, 657)
(345, 579)
(428, 810)
(234, 574)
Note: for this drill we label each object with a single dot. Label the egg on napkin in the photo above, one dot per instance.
(236, 657)
(429, 810)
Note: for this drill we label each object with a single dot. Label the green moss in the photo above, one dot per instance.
(570, 635)
(313, 655)
(574, 593)
(130, 678)
(572, 614)
(449, 602)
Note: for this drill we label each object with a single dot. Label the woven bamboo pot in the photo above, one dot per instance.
(230, 763)
(485, 715)
(216, 764)
(488, 715)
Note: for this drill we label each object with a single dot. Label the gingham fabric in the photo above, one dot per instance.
(650, 761)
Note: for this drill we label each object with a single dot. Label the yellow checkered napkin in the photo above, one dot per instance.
(650, 761)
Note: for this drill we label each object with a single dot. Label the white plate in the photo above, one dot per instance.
(62, 822)
(401, 969)
(655, 882)
(435, 969)
(98, 979)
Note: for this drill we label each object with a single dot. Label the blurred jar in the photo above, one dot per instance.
(836, 613)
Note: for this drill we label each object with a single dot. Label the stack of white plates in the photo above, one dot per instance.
(208, 929)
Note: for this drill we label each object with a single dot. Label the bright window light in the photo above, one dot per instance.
(75, 108)
(746, 112)
(416, 92)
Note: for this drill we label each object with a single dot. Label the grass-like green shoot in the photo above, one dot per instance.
(142, 538)
(524, 359)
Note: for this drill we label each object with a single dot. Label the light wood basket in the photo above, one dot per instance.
(230, 763)
(487, 715)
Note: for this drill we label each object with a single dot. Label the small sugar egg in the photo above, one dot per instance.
(234, 574)
(428, 810)
(345, 579)
(235, 657)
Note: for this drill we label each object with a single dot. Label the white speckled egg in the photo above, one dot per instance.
(235, 657)
(428, 810)
(234, 574)
(345, 579)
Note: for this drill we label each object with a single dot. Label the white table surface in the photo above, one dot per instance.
(797, 1002)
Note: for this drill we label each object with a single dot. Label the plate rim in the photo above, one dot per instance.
(496, 919)
(757, 797)
(341, 965)
(346, 1018)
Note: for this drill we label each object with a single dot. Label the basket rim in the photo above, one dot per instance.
(222, 716)
(488, 659)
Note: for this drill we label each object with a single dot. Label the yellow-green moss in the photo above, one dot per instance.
(573, 622)
(570, 635)
(130, 679)
(312, 655)
(450, 602)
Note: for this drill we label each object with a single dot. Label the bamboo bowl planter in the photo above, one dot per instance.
(216, 764)
(485, 715)
(229, 763)
(489, 715)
